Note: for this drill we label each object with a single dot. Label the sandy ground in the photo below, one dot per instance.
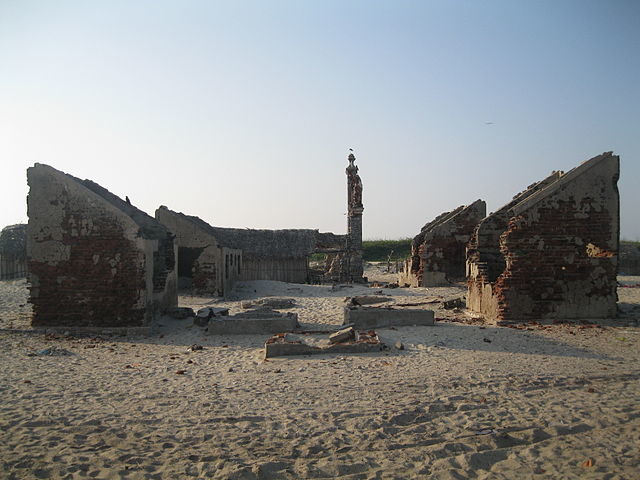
(462, 400)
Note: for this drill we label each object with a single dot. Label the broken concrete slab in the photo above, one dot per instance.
(252, 322)
(367, 299)
(457, 302)
(287, 344)
(381, 317)
(270, 302)
(213, 312)
(205, 314)
(342, 335)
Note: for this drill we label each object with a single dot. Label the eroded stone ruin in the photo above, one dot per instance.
(308, 343)
(211, 259)
(94, 260)
(13, 252)
(552, 251)
(365, 317)
(438, 252)
(204, 263)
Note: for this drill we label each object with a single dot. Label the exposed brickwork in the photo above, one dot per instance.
(438, 251)
(483, 249)
(218, 257)
(558, 245)
(13, 252)
(92, 289)
(91, 264)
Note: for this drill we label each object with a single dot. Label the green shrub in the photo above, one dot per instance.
(379, 250)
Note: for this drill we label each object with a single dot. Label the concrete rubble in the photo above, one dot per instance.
(253, 322)
(270, 302)
(205, 314)
(343, 335)
(368, 299)
(287, 344)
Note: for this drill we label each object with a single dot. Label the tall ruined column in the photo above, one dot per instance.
(354, 215)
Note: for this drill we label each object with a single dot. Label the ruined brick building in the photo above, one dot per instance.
(438, 252)
(211, 259)
(13, 252)
(552, 252)
(94, 260)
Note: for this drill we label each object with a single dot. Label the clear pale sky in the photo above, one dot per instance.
(242, 112)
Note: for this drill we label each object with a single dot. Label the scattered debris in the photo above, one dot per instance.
(270, 302)
(417, 304)
(588, 463)
(346, 334)
(52, 352)
(285, 344)
(452, 303)
(337, 287)
(205, 314)
(367, 299)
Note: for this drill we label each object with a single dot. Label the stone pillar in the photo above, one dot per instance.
(354, 216)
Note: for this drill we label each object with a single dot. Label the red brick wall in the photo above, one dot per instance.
(549, 264)
(99, 286)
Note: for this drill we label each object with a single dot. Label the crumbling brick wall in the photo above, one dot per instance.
(90, 263)
(559, 249)
(214, 258)
(439, 250)
(13, 252)
(204, 266)
(484, 258)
